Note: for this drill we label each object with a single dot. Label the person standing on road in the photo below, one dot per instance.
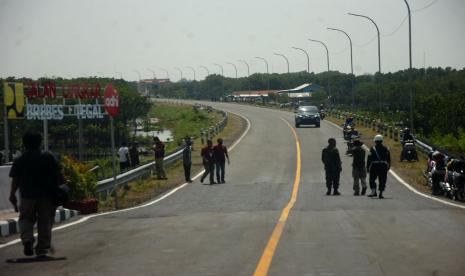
(36, 174)
(159, 149)
(123, 153)
(332, 161)
(220, 154)
(134, 155)
(438, 171)
(208, 162)
(187, 159)
(378, 164)
(359, 172)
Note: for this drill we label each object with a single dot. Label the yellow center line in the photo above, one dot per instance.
(270, 249)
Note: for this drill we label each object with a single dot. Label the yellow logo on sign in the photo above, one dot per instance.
(14, 100)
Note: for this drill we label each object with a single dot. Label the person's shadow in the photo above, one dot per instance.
(26, 260)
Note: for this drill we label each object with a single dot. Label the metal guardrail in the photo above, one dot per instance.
(110, 184)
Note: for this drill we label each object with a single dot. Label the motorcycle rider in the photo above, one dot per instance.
(349, 122)
(378, 164)
(438, 171)
(406, 136)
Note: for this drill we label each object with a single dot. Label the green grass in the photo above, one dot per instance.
(182, 120)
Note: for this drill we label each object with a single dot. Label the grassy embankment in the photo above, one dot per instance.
(411, 172)
(182, 120)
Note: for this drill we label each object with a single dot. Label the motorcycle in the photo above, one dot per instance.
(354, 135)
(409, 151)
(447, 187)
(347, 131)
(456, 178)
(322, 114)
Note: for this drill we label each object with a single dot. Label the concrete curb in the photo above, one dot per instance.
(11, 226)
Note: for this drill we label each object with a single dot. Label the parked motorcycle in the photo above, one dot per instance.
(456, 178)
(409, 151)
(447, 187)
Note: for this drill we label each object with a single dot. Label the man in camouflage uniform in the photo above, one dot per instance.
(332, 161)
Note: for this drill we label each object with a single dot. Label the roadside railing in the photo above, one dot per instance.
(389, 130)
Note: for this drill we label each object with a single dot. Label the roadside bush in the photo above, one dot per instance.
(81, 182)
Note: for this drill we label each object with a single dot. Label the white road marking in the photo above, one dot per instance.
(84, 219)
(410, 187)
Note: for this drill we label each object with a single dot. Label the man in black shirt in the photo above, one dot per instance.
(36, 174)
(220, 154)
(332, 161)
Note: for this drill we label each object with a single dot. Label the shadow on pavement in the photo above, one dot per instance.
(34, 260)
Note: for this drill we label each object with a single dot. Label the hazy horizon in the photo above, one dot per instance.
(105, 38)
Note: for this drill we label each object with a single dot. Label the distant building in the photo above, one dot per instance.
(245, 96)
(301, 93)
(147, 85)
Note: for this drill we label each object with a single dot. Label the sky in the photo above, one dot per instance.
(113, 38)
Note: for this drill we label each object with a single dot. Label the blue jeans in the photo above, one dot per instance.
(220, 171)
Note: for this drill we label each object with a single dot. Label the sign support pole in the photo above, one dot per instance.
(80, 138)
(113, 154)
(45, 133)
(5, 133)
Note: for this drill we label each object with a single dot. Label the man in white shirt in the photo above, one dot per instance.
(123, 153)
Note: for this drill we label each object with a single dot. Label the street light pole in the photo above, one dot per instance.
(248, 70)
(193, 70)
(206, 69)
(153, 73)
(308, 58)
(351, 62)
(179, 70)
(267, 71)
(138, 83)
(234, 65)
(266, 62)
(246, 64)
(410, 63)
(379, 39)
(287, 61)
(167, 73)
(221, 67)
(379, 55)
(327, 59)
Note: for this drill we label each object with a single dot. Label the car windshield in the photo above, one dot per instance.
(308, 109)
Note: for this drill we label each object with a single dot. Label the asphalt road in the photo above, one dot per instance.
(224, 229)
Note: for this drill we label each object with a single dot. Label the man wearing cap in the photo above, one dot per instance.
(359, 172)
(332, 161)
(378, 164)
